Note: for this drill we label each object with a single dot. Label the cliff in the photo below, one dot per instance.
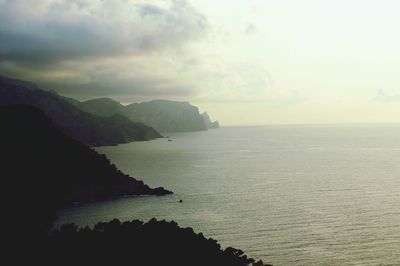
(166, 116)
(207, 120)
(163, 115)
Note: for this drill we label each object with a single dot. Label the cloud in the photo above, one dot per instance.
(102, 47)
(52, 31)
(124, 79)
(250, 29)
(383, 96)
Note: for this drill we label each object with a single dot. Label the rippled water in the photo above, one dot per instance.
(290, 195)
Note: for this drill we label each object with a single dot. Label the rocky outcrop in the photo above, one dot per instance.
(209, 124)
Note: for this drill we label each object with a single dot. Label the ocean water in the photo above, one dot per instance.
(289, 195)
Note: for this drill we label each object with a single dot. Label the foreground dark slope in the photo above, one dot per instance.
(88, 128)
(40, 158)
(163, 115)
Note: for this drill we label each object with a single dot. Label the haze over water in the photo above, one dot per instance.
(290, 195)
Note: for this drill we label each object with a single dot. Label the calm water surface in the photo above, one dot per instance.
(290, 195)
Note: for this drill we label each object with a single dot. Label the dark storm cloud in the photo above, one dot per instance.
(99, 47)
(78, 29)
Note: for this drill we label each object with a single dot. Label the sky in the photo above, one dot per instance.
(246, 62)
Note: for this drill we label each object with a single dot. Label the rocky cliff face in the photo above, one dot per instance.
(210, 124)
(162, 115)
(167, 116)
(88, 128)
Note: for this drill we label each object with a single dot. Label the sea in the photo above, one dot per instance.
(286, 194)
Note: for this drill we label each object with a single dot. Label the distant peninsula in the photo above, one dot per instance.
(162, 115)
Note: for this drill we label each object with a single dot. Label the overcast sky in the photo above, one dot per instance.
(246, 62)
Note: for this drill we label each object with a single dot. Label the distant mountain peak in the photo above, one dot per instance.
(6, 81)
(102, 100)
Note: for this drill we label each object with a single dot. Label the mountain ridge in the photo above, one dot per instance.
(163, 115)
(88, 128)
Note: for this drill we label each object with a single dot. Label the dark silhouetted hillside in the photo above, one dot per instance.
(93, 130)
(38, 161)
